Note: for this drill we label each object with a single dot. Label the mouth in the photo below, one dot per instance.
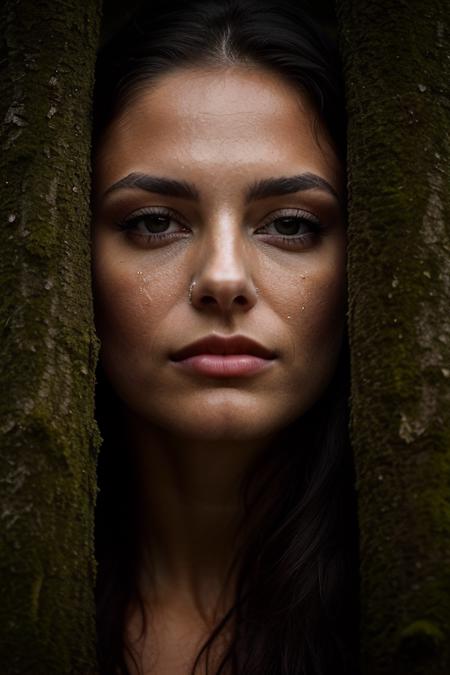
(220, 356)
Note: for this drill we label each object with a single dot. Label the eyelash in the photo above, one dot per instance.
(130, 224)
(300, 217)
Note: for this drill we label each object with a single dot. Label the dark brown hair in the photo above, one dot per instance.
(296, 606)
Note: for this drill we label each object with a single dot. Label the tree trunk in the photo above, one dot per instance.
(48, 347)
(397, 71)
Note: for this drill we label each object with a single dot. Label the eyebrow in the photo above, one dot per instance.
(162, 186)
(275, 187)
(261, 189)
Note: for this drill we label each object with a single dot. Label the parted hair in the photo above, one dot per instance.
(296, 603)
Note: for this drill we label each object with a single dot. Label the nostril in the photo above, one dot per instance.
(208, 300)
(224, 300)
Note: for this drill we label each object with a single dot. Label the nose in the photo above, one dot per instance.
(222, 278)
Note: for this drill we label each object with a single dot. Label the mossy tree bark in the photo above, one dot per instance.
(397, 70)
(48, 347)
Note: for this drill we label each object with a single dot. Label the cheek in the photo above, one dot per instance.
(326, 295)
(311, 300)
(323, 309)
(130, 304)
(314, 313)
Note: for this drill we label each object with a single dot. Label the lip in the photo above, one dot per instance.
(221, 356)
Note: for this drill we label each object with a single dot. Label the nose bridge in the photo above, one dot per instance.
(223, 272)
(225, 251)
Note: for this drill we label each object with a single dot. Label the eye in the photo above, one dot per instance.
(291, 227)
(153, 225)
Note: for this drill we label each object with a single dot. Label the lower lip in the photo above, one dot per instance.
(231, 365)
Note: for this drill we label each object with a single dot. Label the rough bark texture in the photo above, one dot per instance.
(47, 347)
(397, 70)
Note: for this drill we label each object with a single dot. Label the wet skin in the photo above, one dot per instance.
(267, 263)
(268, 267)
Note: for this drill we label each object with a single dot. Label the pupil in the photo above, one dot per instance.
(287, 225)
(156, 223)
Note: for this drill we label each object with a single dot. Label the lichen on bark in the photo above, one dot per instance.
(397, 71)
(48, 347)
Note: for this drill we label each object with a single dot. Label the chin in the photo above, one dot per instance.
(234, 430)
(233, 419)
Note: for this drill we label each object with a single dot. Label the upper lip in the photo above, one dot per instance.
(217, 344)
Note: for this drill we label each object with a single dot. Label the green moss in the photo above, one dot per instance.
(399, 326)
(420, 642)
(48, 348)
(35, 593)
(424, 632)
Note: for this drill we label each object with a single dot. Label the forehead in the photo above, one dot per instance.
(216, 120)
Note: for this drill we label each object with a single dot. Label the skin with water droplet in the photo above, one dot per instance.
(222, 131)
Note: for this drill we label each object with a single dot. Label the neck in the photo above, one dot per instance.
(188, 511)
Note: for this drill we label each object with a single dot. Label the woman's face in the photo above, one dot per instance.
(218, 213)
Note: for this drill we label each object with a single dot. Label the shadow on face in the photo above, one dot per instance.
(218, 213)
